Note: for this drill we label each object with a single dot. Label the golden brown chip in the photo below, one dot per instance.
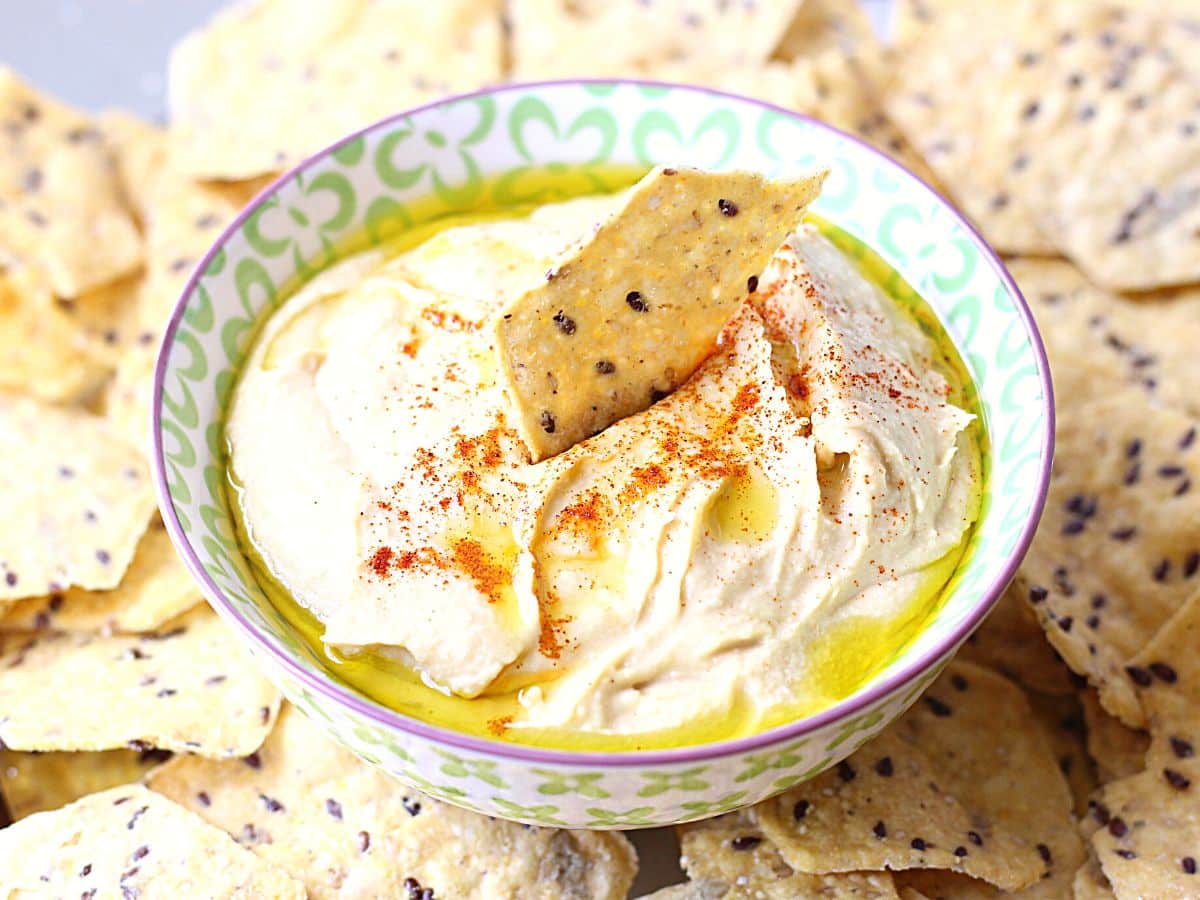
(317, 76)
(1062, 721)
(61, 210)
(1118, 548)
(1117, 750)
(190, 688)
(308, 806)
(34, 782)
(626, 317)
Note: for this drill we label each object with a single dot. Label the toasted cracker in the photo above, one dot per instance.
(140, 152)
(626, 317)
(128, 397)
(624, 38)
(156, 589)
(944, 66)
(61, 210)
(818, 26)
(106, 320)
(42, 350)
(1091, 883)
(35, 782)
(77, 500)
(1011, 641)
(1106, 132)
(1148, 844)
(1118, 548)
(130, 842)
(729, 856)
(344, 828)
(1117, 750)
(1062, 721)
(317, 77)
(189, 688)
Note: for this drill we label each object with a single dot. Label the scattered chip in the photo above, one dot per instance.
(34, 782)
(626, 317)
(190, 688)
(317, 77)
(140, 152)
(76, 500)
(156, 589)
(344, 828)
(1091, 883)
(1118, 548)
(130, 842)
(1062, 721)
(1117, 750)
(79, 239)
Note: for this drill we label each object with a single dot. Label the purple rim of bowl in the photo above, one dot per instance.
(362, 706)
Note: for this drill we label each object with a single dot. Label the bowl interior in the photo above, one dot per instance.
(494, 147)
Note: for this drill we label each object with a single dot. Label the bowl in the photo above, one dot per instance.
(443, 157)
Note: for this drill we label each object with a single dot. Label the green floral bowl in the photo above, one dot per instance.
(447, 156)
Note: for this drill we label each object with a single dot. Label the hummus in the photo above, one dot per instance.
(690, 563)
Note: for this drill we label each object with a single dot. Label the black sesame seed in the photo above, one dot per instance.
(745, 842)
(103, 557)
(937, 707)
(1099, 601)
(975, 838)
(1065, 623)
(1191, 564)
(412, 807)
(1073, 526)
(140, 853)
(1188, 438)
(1117, 827)
(1162, 570)
(564, 322)
(635, 301)
(800, 810)
(1183, 487)
(1092, 622)
(884, 767)
(918, 844)
(547, 422)
(10, 578)
(271, 804)
(1188, 864)
(1044, 853)
(669, 171)
(334, 808)
(1163, 672)
(1181, 748)
(1037, 594)
(364, 841)
(960, 851)
(1134, 448)
(1177, 780)
(254, 761)
(1126, 854)
(1171, 471)
(846, 771)
(959, 682)
(604, 367)
(727, 207)
(1031, 110)
(752, 284)
(1133, 474)
(1123, 534)
(880, 830)
(657, 394)
(1140, 676)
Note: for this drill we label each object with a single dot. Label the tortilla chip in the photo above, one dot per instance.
(318, 76)
(818, 26)
(729, 856)
(191, 688)
(1108, 162)
(1100, 342)
(344, 828)
(1148, 845)
(130, 842)
(629, 38)
(156, 589)
(140, 150)
(945, 65)
(42, 352)
(1062, 721)
(1167, 672)
(106, 320)
(129, 395)
(34, 782)
(79, 238)
(76, 500)
(964, 782)
(1117, 750)
(1091, 883)
(626, 317)
(1011, 641)
(1118, 548)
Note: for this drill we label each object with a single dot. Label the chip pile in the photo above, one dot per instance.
(1056, 757)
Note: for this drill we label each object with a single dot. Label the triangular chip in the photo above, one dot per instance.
(1117, 750)
(191, 689)
(61, 209)
(625, 318)
(130, 842)
(156, 589)
(76, 500)
(346, 829)
(35, 782)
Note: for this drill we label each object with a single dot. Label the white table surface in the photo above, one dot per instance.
(99, 54)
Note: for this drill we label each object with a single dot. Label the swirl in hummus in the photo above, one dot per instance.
(679, 565)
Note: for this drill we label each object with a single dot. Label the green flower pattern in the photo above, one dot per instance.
(451, 156)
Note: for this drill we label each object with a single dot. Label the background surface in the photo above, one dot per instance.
(101, 54)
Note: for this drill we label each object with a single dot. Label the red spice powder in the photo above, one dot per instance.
(381, 561)
(489, 576)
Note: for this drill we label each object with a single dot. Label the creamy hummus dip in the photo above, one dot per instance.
(687, 564)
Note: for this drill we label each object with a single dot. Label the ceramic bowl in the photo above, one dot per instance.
(446, 156)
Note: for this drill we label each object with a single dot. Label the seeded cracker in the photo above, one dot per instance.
(1100, 342)
(78, 239)
(729, 857)
(1117, 750)
(130, 842)
(1118, 548)
(140, 152)
(156, 589)
(625, 319)
(318, 76)
(189, 688)
(34, 782)
(345, 829)
(77, 500)
(1062, 721)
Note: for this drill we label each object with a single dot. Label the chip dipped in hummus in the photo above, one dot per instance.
(751, 540)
